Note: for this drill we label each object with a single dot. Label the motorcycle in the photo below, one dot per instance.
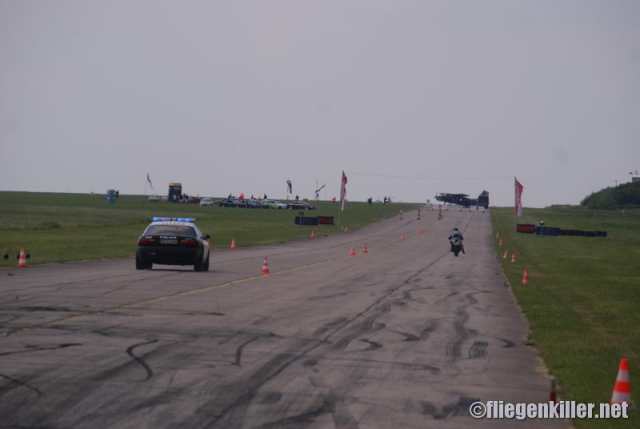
(456, 245)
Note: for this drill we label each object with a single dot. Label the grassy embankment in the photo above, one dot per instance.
(66, 227)
(583, 298)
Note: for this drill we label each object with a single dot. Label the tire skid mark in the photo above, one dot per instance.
(331, 403)
(240, 348)
(407, 336)
(478, 350)
(372, 345)
(430, 327)
(31, 349)
(23, 384)
(453, 409)
(247, 389)
(141, 360)
(462, 333)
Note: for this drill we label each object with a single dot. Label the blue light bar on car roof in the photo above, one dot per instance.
(172, 219)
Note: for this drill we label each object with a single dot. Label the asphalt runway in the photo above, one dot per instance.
(406, 336)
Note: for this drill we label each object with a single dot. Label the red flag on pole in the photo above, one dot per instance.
(519, 188)
(343, 190)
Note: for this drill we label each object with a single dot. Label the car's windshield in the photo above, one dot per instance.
(178, 230)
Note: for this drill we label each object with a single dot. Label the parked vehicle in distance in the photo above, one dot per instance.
(253, 204)
(300, 205)
(207, 202)
(230, 202)
(274, 204)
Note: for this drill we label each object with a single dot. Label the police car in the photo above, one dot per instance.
(173, 241)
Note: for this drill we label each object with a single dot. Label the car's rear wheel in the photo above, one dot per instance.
(142, 265)
(201, 265)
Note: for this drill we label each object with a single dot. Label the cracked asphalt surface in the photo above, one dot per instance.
(406, 336)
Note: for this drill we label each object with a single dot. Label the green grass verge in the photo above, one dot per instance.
(583, 298)
(66, 227)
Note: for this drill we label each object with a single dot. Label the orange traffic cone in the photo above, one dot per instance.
(365, 249)
(622, 388)
(22, 259)
(265, 267)
(312, 236)
(505, 254)
(352, 252)
(513, 257)
(525, 277)
(553, 395)
(232, 245)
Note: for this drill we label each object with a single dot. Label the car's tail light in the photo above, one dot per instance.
(189, 243)
(146, 241)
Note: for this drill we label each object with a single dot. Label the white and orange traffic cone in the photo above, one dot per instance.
(352, 252)
(365, 249)
(312, 236)
(22, 259)
(513, 257)
(232, 245)
(622, 388)
(265, 267)
(505, 254)
(525, 277)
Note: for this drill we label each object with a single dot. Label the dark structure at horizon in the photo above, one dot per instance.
(464, 200)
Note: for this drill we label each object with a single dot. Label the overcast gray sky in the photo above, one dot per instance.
(410, 98)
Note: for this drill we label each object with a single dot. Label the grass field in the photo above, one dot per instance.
(66, 227)
(582, 300)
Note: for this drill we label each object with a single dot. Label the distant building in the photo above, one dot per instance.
(175, 192)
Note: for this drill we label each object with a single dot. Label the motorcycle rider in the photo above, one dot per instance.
(455, 233)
